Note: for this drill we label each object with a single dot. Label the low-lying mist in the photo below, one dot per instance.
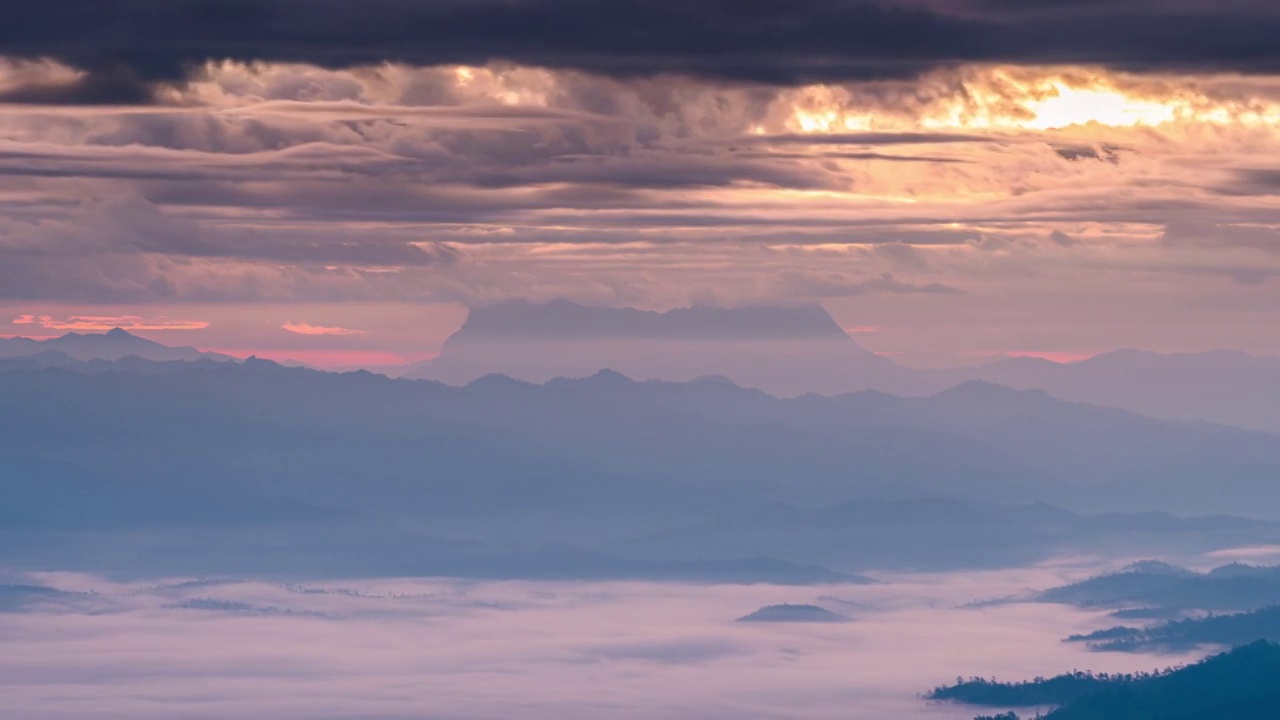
(437, 648)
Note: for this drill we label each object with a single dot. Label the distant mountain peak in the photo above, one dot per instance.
(564, 319)
(114, 344)
(498, 382)
(114, 335)
(985, 389)
(780, 349)
(610, 376)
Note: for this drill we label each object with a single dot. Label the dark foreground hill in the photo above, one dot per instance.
(1243, 683)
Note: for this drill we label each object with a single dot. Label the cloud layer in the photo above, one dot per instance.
(955, 163)
(124, 45)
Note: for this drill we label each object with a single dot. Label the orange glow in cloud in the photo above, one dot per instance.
(1067, 106)
(99, 323)
(997, 98)
(303, 328)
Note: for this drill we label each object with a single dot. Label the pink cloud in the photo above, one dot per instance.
(304, 328)
(108, 322)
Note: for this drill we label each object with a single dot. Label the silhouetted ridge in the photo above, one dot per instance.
(114, 344)
(648, 473)
(1158, 585)
(981, 389)
(1178, 635)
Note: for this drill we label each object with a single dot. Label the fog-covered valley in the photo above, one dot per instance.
(222, 647)
(198, 536)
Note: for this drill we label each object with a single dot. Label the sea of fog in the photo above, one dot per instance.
(432, 648)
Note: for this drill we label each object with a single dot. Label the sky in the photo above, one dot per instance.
(337, 182)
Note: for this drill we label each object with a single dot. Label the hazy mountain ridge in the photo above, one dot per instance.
(797, 350)
(775, 347)
(827, 446)
(786, 350)
(983, 441)
(1229, 387)
(114, 344)
(1175, 635)
(651, 473)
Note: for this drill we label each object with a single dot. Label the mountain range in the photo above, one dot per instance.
(603, 476)
(792, 351)
(786, 350)
(111, 345)
(783, 350)
(124, 445)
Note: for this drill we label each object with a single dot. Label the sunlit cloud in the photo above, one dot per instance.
(1007, 99)
(959, 192)
(304, 328)
(98, 323)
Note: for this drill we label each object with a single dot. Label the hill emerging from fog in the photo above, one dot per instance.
(787, 613)
(1159, 585)
(1176, 635)
(1238, 684)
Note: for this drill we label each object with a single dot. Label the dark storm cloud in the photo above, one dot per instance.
(102, 86)
(1253, 181)
(127, 44)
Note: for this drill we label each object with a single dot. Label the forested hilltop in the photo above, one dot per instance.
(1243, 683)
(1234, 629)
